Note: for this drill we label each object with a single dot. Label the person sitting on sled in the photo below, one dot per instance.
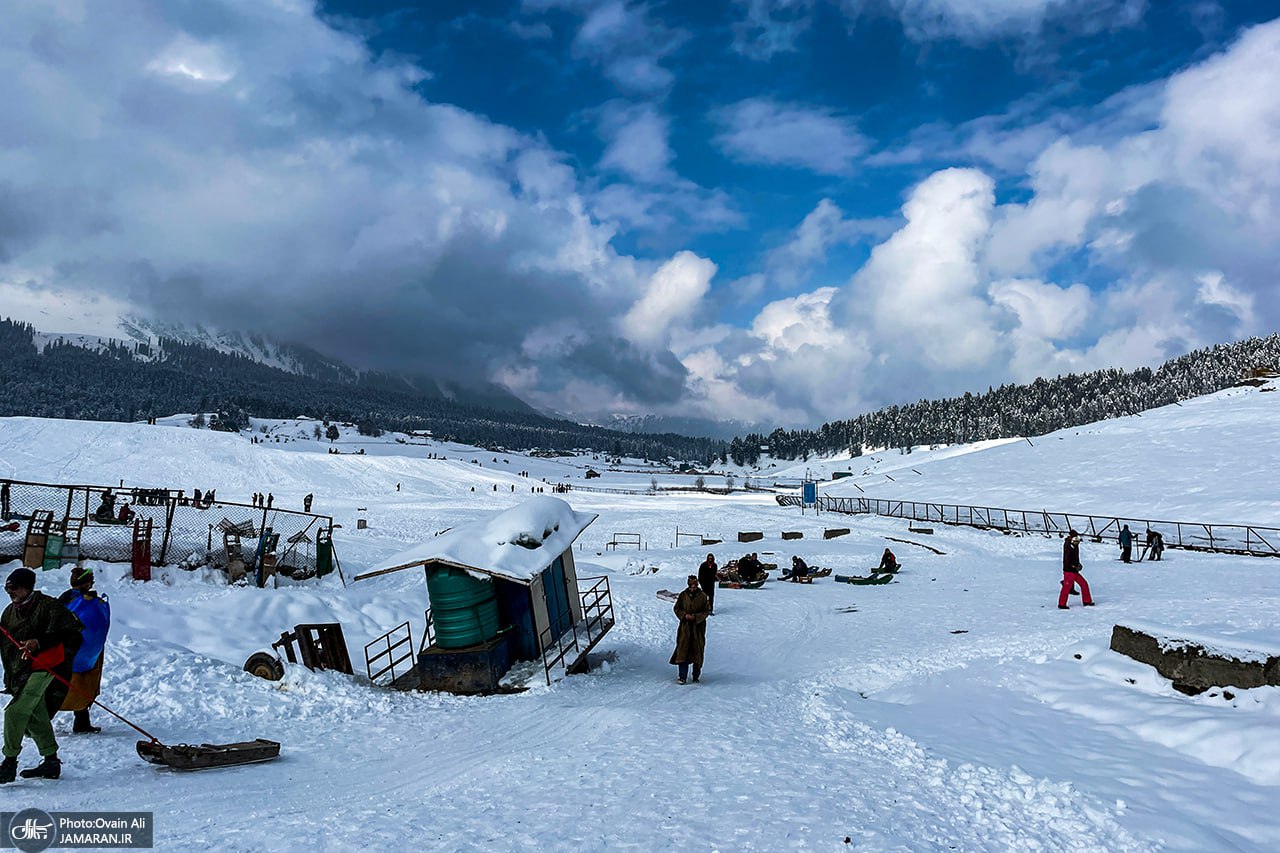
(888, 562)
(799, 569)
(106, 511)
(749, 568)
(126, 514)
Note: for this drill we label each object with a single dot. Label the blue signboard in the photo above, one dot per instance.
(810, 493)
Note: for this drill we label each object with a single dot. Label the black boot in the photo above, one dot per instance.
(82, 726)
(50, 768)
(8, 770)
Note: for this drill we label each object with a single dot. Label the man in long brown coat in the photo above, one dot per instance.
(691, 609)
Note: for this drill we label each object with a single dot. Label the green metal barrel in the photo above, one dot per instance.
(464, 609)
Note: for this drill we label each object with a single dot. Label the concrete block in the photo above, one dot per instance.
(1194, 665)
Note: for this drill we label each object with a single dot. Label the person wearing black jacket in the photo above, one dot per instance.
(708, 578)
(1071, 567)
(40, 640)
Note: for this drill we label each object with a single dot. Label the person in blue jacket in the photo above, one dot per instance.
(1126, 544)
(94, 611)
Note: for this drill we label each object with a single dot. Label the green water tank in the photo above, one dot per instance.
(464, 609)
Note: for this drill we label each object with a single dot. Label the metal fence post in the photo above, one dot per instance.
(170, 504)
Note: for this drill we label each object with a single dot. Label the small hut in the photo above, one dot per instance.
(503, 589)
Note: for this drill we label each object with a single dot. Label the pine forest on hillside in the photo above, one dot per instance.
(111, 383)
(1023, 410)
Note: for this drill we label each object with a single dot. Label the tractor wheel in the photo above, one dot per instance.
(264, 665)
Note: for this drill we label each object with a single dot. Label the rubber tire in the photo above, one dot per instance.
(264, 665)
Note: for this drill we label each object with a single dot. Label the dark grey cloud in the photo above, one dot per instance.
(249, 166)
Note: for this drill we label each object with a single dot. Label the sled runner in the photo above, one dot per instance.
(872, 579)
(207, 755)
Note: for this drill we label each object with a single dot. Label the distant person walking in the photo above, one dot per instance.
(1126, 544)
(692, 609)
(306, 502)
(1071, 576)
(93, 611)
(270, 500)
(708, 578)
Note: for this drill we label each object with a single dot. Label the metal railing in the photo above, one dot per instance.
(1249, 539)
(630, 540)
(581, 638)
(398, 638)
(429, 634)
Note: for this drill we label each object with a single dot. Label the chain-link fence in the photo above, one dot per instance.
(184, 532)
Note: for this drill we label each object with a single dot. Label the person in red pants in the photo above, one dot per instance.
(1071, 576)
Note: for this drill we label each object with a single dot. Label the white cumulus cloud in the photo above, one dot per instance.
(670, 299)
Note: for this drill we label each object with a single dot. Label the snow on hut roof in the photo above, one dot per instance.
(517, 543)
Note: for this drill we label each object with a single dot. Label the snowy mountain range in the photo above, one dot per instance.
(142, 336)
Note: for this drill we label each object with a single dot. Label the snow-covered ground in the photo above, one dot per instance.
(956, 708)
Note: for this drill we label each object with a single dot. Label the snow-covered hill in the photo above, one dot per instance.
(1208, 459)
(956, 708)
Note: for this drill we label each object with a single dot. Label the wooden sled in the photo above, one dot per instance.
(807, 578)
(871, 579)
(741, 585)
(208, 755)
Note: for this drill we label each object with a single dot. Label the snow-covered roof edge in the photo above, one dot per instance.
(517, 543)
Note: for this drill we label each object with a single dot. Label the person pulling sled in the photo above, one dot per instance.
(40, 639)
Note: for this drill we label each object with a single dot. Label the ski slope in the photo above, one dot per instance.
(1200, 460)
(956, 708)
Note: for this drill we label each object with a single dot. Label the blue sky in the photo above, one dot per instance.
(779, 210)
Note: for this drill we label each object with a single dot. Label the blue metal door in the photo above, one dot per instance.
(515, 606)
(558, 615)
